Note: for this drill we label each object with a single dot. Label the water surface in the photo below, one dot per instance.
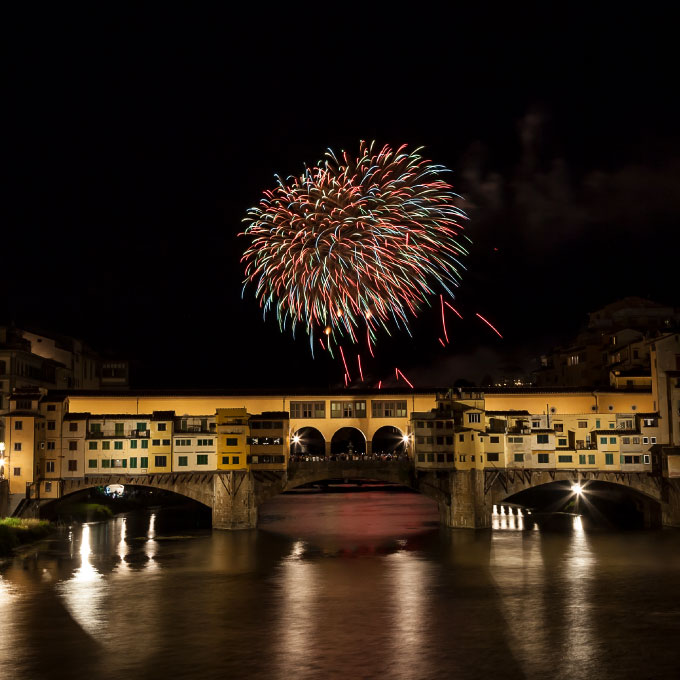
(356, 585)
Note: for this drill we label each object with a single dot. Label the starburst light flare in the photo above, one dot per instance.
(355, 242)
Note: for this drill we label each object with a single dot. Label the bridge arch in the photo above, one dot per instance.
(388, 439)
(635, 492)
(308, 441)
(348, 440)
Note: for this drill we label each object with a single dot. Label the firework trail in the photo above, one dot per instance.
(355, 242)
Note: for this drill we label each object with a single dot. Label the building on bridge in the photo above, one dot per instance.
(61, 442)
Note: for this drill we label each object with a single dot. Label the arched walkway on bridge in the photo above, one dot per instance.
(349, 441)
(308, 441)
(388, 439)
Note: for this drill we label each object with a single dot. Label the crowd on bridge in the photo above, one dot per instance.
(378, 457)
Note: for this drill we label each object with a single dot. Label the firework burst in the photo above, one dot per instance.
(355, 242)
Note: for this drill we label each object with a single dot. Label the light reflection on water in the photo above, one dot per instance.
(342, 585)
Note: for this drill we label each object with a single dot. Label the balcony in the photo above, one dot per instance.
(187, 429)
(107, 434)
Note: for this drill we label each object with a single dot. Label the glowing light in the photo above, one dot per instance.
(296, 439)
(327, 330)
(489, 325)
(355, 241)
(577, 489)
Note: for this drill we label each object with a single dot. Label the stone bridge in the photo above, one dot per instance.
(465, 497)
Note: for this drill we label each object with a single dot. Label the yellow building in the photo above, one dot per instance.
(232, 435)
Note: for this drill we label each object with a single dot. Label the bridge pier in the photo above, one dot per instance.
(466, 506)
(670, 503)
(234, 505)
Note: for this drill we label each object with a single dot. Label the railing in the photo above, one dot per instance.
(136, 434)
(194, 429)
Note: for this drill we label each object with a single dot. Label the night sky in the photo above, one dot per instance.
(138, 139)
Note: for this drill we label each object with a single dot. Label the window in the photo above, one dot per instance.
(17, 472)
(18, 425)
(48, 486)
(652, 440)
(388, 409)
(145, 443)
(141, 427)
(625, 440)
(133, 462)
(202, 459)
(133, 443)
(581, 458)
(543, 457)
(51, 407)
(95, 427)
(440, 441)
(73, 445)
(597, 424)
(51, 425)
(307, 409)
(118, 446)
(561, 442)
(645, 459)
(235, 460)
(160, 461)
(166, 442)
(519, 458)
(421, 457)
(609, 459)
(144, 462)
(542, 439)
(225, 460)
(493, 440)
(348, 409)
(183, 461)
(492, 457)
(162, 427)
(51, 446)
(612, 440)
(430, 457)
(612, 426)
(603, 440)
(535, 423)
(92, 463)
(120, 428)
(583, 423)
(73, 466)
(155, 442)
(591, 459)
(106, 446)
(564, 459)
(449, 441)
(474, 417)
(461, 437)
(650, 422)
(204, 442)
(232, 441)
(91, 446)
(106, 463)
(645, 440)
(636, 440)
(49, 466)
(559, 427)
(17, 446)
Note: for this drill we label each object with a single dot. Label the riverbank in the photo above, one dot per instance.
(15, 532)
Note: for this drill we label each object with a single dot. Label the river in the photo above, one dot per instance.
(341, 585)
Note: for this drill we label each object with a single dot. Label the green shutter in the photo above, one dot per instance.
(144, 463)
(133, 462)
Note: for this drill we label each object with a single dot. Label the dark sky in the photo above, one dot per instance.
(137, 140)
